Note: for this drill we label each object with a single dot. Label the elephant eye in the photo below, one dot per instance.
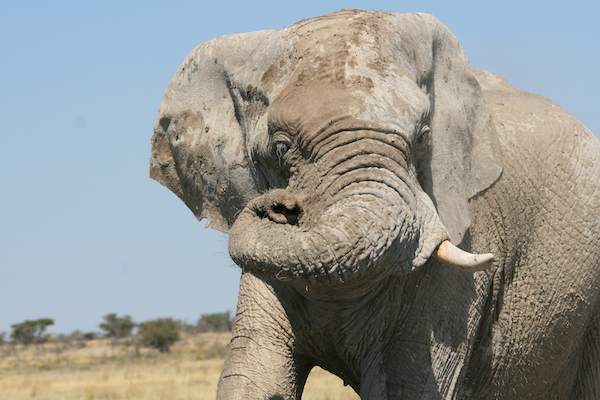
(423, 133)
(280, 149)
(282, 145)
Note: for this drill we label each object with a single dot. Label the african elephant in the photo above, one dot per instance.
(366, 174)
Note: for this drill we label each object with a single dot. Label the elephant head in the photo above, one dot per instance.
(340, 147)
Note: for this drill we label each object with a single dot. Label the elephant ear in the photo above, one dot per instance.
(211, 106)
(464, 157)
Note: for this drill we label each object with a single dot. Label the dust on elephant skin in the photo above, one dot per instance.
(415, 226)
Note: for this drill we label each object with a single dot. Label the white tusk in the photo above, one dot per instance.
(454, 257)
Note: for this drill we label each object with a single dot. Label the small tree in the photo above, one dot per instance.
(160, 333)
(217, 322)
(117, 327)
(30, 331)
(90, 335)
(78, 335)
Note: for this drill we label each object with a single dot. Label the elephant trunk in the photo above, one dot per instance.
(370, 224)
(346, 241)
(366, 214)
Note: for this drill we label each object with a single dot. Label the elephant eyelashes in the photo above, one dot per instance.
(423, 133)
(421, 140)
(280, 149)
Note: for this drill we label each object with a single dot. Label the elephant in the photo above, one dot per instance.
(415, 226)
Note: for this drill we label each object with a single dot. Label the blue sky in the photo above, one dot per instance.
(85, 232)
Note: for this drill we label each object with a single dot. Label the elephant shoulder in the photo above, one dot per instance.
(490, 82)
(541, 142)
(532, 121)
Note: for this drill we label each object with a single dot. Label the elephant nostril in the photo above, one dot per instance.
(283, 208)
(282, 214)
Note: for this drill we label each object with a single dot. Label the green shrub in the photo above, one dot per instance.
(30, 331)
(217, 322)
(117, 327)
(160, 333)
(90, 335)
(78, 335)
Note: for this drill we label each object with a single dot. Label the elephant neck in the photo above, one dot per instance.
(370, 334)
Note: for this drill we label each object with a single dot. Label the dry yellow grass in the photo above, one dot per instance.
(102, 370)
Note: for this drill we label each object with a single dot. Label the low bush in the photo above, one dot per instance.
(160, 333)
(117, 327)
(217, 322)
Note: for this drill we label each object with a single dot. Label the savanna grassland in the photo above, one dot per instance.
(109, 369)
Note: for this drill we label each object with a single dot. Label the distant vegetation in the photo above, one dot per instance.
(219, 322)
(159, 334)
(117, 327)
(29, 332)
(158, 359)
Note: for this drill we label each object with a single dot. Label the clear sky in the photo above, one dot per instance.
(85, 232)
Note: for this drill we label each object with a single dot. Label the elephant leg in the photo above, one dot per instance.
(587, 386)
(261, 363)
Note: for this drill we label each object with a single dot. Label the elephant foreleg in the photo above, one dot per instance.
(261, 363)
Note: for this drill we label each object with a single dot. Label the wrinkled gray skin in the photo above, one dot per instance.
(338, 153)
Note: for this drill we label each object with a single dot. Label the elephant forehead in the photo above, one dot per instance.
(309, 109)
(342, 67)
(344, 47)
